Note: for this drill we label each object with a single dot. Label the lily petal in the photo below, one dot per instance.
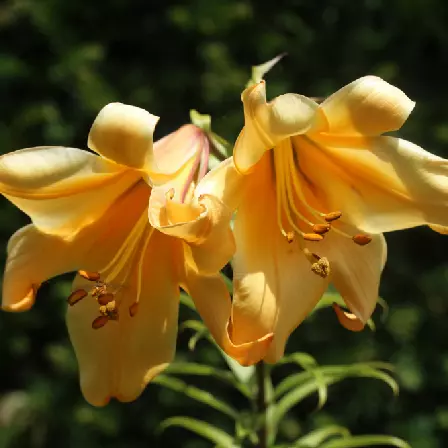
(274, 287)
(213, 303)
(124, 134)
(380, 184)
(367, 106)
(62, 189)
(26, 269)
(119, 359)
(355, 271)
(204, 227)
(268, 123)
(225, 183)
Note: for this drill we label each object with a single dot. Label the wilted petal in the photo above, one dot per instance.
(204, 226)
(380, 184)
(213, 303)
(119, 359)
(274, 287)
(268, 123)
(355, 270)
(62, 189)
(367, 106)
(124, 134)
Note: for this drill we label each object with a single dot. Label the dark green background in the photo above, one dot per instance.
(61, 61)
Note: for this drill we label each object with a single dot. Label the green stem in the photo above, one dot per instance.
(260, 373)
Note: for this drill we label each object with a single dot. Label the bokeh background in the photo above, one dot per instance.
(60, 62)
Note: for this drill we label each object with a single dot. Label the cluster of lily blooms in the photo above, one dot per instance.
(310, 189)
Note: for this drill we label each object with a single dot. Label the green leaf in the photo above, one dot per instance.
(186, 300)
(308, 363)
(331, 375)
(197, 394)
(205, 430)
(200, 332)
(258, 71)
(202, 121)
(364, 441)
(191, 368)
(315, 438)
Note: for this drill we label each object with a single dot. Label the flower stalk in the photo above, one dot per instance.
(261, 404)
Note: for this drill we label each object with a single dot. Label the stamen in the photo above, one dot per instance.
(91, 276)
(321, 229)
(76, 296)
(332, 216)
(140, 265)
(312, 237)
(110, 310)
(133, 309)
(290, 237)
(99, 322)
(362, 239)
(169, 195)
(104, 299)
(321, 267)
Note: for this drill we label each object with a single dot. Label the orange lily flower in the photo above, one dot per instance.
(315, 185)
(128, 219)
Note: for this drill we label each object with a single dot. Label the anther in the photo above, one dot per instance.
(99, 322)
(91, 276)
(104, 299)
(170, 194)
(362, 239)
(290, 237)
(321, 267)
(133, 309)
(76, 296)
(313, 237)
(333, 216)
(321, 229)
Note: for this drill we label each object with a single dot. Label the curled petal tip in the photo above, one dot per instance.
(348, 320)
(23, 305)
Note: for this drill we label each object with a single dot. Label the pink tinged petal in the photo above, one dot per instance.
(62, 189)
(34, 257)
(204, 227)
(266, 124)
(274, 287)
(367, 106)
(213, 303)
(380, 184)
(119, 359)
(355, 272)
(124, 134)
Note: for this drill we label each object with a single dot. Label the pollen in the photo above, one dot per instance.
(76, 296)
(333, 216)
(91, 276)
(110, 310)
(289, 237)
(321, 229)
(99, 322)
(321, 267)
(312, 237)
(362, 239)
(104, 299)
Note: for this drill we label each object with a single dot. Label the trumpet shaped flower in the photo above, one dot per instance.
(129, 221)
(315, 186)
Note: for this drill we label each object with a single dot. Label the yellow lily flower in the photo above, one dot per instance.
(130, 222)
(315, 186)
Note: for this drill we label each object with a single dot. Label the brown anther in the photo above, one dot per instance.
(104, 299)
(362, 239)
(313, 237)
(321, 228)
(133, 309)
(333, 216)
(321, 267)
(170, 194)
(99, 322)
(91, 276)
(290, 237)
(76, 296)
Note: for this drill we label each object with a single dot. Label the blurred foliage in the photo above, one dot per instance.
(60, 62)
